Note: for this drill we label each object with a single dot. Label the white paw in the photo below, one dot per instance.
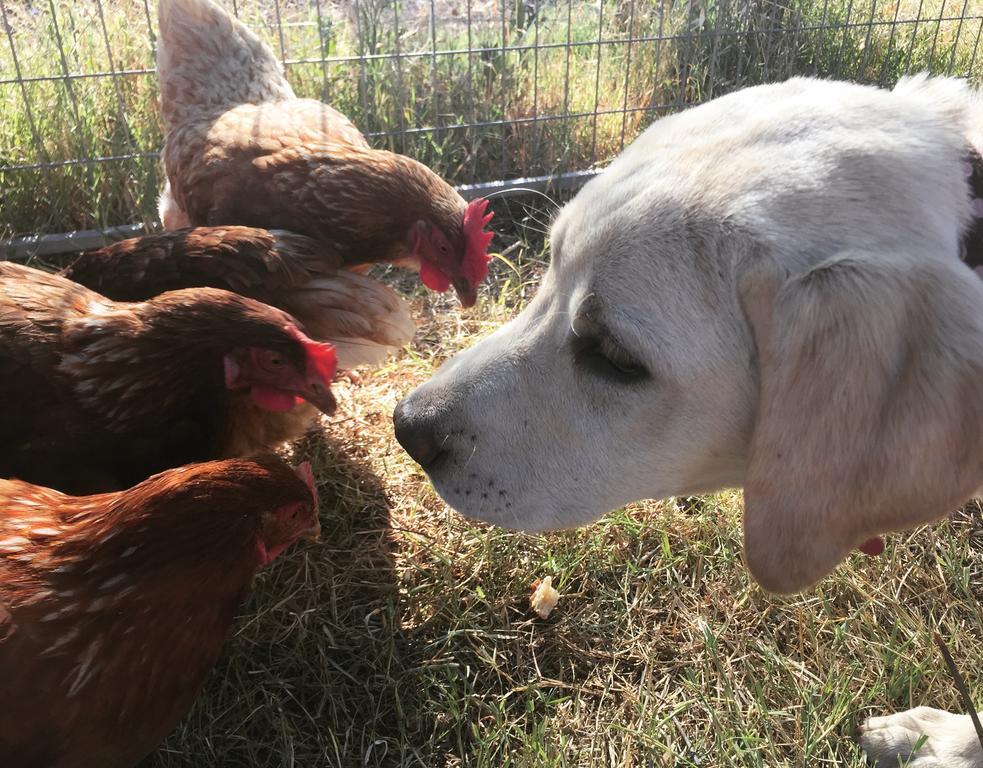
(921, 738)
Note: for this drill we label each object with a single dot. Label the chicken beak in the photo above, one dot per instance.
(319, 395)
(466, 293)
(312, 534)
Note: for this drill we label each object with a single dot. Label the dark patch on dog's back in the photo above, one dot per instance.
(972, 250)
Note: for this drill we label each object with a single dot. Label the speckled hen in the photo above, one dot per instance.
(113, 608)
(97, 395)
(241, 148)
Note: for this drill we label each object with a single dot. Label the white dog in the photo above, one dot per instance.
(765, 291)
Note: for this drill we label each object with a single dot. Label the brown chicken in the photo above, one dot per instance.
(361, 317)
(96, 395)
(113, 608)
(241, 148)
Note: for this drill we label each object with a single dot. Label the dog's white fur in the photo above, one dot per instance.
(784, 262)
(922, 738)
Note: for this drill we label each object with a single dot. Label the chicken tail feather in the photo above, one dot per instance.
(364, 319)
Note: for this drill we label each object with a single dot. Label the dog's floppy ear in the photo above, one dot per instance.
(869, 417)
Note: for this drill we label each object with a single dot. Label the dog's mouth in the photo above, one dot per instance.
(435, 463)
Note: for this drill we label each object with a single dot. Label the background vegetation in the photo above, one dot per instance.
(527, 82)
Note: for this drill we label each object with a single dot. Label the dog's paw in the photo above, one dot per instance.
(921, 738)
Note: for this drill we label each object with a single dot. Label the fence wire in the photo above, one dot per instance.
(488, 92)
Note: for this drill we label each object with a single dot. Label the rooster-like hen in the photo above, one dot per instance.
(98, 395)
(361, 317)
(241, 148)
(113, 608)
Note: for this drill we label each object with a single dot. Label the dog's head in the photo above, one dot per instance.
(765, 292)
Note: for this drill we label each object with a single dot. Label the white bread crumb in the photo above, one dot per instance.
(544, 598)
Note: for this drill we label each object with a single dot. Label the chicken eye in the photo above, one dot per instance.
(268, 360)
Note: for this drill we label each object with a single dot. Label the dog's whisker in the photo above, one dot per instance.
(529, 190)
(474, 450)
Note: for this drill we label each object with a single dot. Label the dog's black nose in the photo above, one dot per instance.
(416, 432)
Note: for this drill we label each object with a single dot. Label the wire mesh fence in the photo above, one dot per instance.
(485, 91)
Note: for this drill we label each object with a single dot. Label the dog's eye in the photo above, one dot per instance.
(604, 357)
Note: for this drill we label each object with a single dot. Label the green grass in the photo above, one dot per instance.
(406, 638)
(679, 54)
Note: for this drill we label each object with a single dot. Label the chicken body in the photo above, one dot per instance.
(361, 317)
(241, 148)
(113, 608)
(96, 395)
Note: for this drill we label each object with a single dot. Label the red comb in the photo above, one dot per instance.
(322, 360)
(305, 473)
(476, 241)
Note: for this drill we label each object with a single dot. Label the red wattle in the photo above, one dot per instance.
(272, 399)
(433, 278)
